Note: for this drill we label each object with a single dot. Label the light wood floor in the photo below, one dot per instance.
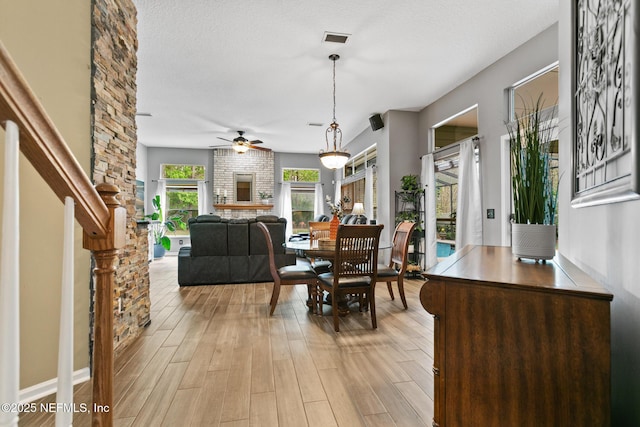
(213, 357)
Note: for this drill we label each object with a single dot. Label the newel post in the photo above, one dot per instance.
(105, 252)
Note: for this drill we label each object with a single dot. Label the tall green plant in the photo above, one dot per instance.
(534, 198)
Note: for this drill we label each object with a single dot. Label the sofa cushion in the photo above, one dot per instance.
(238, 237)
(208, 238)
(210, 218)
(257, 245)
(269, 218)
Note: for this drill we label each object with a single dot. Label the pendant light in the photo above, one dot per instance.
(336, 158)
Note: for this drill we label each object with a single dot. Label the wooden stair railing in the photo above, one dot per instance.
(97, 210)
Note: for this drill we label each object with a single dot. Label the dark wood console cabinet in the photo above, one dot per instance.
(517, 343)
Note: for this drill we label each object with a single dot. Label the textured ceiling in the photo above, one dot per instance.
(207, 68)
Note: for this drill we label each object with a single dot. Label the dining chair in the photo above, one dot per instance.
(289, 275)
(354, 268)
(319, 230)
(394, 272)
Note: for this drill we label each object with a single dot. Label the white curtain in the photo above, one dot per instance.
(161, 190)
(286, 207)
(469, 213)
(338, 192)
(203, 197)
(368, 193)
(318, 201)
(428, 177)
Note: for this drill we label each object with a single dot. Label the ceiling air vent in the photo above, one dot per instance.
(315, 124)
(335, 37)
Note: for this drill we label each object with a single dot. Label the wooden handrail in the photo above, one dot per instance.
(47, 151)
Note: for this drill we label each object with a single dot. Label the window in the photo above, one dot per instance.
(301, 175)
(192, 172)
(448, 135)
(354, 182)
(457, 128)
(446, 174)
(302, 196)
(182, 191)
(360, 162)
(182, 200)
(302, 200)
(525, 93)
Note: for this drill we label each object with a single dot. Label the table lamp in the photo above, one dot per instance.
(358, 209)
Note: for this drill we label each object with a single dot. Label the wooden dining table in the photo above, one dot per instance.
(313, 250)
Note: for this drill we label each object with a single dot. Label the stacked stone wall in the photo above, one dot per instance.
(114, 66)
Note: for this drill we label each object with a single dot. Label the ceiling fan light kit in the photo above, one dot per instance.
(336, 158)
(241, 145)
(240, 148)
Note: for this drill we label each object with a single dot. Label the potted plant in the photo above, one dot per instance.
(410, 197)
(533, 230)
(410, 183)
(264, 197)
(161, 241)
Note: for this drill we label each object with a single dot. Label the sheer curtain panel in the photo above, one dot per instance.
(286, 208)
(318, 201)
(469, 215)
(368, 193)
(203, 198)
(428, 177)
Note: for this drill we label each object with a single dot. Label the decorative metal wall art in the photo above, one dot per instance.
(606, 72)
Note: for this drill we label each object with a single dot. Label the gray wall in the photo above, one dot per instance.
(398, 151)
(487, 90)
(302, 161)
(605, 242)
(177, 156)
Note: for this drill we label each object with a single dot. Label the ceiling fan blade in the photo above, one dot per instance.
(260, 148)
(257, 141)
(220, 146)
(224, 139)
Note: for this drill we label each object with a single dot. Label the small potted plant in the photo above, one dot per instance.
(161, 241)
(410, 183)
(265, 197)
(533, 229)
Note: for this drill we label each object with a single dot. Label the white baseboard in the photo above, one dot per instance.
(46, 388)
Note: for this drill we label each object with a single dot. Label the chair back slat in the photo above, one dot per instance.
(318, 230)
(357, 250)
(272, 259)
(401, 239)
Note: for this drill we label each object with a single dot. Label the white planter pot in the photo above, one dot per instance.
(533, 241)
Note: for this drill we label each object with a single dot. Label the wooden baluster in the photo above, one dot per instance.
(105, 252)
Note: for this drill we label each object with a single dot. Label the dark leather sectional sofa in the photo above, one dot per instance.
(231, 250)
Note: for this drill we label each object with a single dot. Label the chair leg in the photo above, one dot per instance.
(335, 312)
(401, 292)
(390, 291)
(372, 307)
(312, 292)
(274, 297)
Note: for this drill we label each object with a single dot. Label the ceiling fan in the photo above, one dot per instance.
(241, 145)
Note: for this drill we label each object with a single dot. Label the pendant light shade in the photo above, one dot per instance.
(334, 158)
